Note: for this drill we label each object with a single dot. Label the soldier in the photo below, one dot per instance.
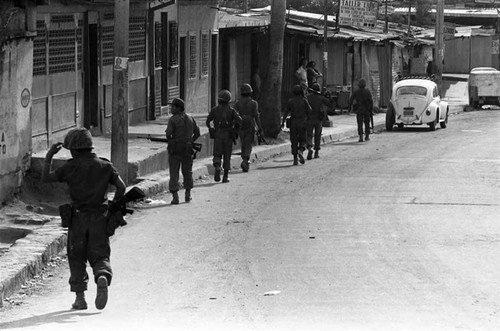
(248, 109)
(226, 122)
(362, 105)
(88, 178)
(315, 124)
(299, 109)
(181, 132)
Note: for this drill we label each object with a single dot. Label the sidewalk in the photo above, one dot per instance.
(27, 256)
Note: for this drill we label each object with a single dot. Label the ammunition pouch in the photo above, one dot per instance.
(211, 132)
(66, 213)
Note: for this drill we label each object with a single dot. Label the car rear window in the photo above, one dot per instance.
(411, 90)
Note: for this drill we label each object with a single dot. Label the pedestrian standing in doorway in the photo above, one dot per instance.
(226, 122)
(361, 103)
(88, 178)
(299, 110)
(248, 109)
(315, 123)
(182, 131)
(312, 73)
(301, 75)
(256, 84)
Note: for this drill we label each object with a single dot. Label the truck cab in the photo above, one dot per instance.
(484, 86)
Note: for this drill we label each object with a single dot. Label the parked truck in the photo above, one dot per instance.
(484, 86)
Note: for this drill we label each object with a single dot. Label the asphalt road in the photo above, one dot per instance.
(399, 233)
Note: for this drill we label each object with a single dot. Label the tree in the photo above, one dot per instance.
(270, 101)
(423, 12)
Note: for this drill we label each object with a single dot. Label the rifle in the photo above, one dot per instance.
(260, 137)
(119, 209)
(195, 146)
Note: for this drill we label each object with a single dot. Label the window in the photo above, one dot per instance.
(412, 90)
(205, 54)
(173, 44)
(193, 56)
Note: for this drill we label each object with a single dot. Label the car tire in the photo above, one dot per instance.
(432, 125)
(444, 123)
(473, 103)
(389, 118)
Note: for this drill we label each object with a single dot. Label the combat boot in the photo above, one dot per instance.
(225, 178)
(367, 137)
(187, 196)
(244, 165)
(80, 303)
(102, 292)
(217, 174)
(316, 154)
(175, 196)
(360, 138)
(301, 158)
(295, 160)
(309, 154)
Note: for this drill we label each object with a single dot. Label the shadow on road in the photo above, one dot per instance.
(62, 317)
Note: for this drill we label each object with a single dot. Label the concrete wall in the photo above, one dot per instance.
(16, 58)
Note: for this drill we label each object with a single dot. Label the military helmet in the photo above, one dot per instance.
(316, 87)
(362, 82)
(225, 95)
(79, 138)
(246, 89)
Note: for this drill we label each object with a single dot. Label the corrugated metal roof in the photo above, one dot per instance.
(458, 12)
(227, 20)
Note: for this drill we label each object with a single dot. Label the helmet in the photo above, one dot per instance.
(225, 96)
(316, 87)
(362, 82)
(79, 138)
(246, 89)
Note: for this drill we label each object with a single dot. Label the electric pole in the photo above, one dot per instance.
(439, 42)
(119, 120)
(386, 25)
(325, 45)
(409, 16)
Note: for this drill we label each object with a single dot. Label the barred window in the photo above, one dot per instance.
(40, 50)
(62, 50)
(137, 38)
(193, 56)
(157, 44)
(173, 44)
(205, 54)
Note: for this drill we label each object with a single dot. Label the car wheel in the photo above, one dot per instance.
(444, 123)
(389, 119)
(473, 103)
(432, 125)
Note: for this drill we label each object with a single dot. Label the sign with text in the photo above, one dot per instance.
(358, 13)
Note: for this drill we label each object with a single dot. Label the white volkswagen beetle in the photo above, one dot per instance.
(416, 101)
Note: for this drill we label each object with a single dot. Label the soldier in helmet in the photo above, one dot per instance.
(299, 109)
(87, 177)
(361, 102)
(181, 132)
(315, 124)
(248, 109)
(226, 122)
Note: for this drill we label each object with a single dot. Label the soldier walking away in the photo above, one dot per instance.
(362, 105)
(299, 109)
(87, 177)
(181, 132)
(315, 123)
(248, 109)
(224, 132)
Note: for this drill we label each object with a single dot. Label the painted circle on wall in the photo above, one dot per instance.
(25, 97)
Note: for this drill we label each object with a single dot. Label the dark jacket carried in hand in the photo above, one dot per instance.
(317, 101)
(361, 101)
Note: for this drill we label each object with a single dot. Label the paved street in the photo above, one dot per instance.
(400, 233)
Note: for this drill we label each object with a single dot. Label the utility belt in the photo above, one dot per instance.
(68, 212)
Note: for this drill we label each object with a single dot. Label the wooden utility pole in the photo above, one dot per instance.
(409, 16)
(325, 45)
(439, 42)
(119, 125)
(386, 24)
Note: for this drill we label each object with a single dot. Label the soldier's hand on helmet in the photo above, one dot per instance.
(54, 149)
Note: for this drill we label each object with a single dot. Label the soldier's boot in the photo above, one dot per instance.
(367, 137)
(309, 154)
(295, 160)
(80, 303)
(360, 138)
(102, 292)
(316, 154)
(217, 174)
(187, 196)
(245, 165)
(175, 198)
(225, 178)
(301, 157)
